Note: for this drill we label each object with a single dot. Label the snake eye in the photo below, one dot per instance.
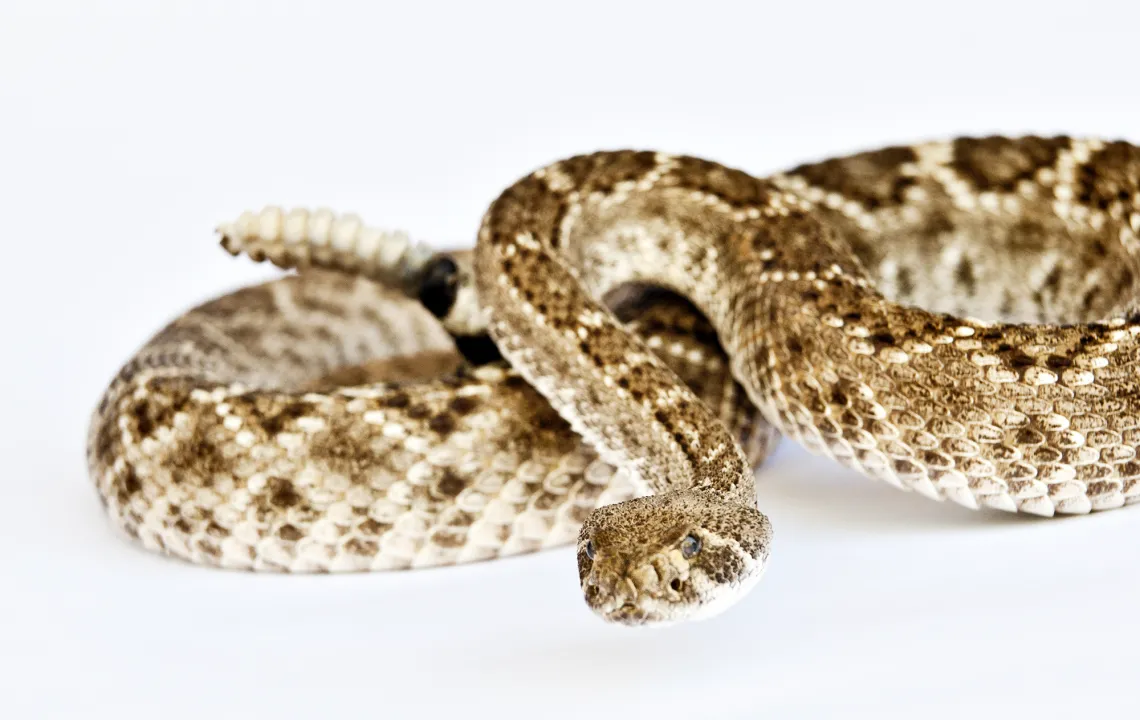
(690, 546)
(590, 549)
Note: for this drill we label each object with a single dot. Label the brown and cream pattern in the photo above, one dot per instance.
(954, 318)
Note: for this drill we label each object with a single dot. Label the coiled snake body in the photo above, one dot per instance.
(955, 318)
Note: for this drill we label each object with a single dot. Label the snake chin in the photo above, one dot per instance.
(669, 558)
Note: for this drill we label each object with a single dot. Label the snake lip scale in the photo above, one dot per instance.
(615, 356)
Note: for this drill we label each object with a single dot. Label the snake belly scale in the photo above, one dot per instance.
(955, 318)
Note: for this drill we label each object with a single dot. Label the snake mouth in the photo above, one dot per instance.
(628, 614)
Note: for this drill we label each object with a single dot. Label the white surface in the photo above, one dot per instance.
(130, 129)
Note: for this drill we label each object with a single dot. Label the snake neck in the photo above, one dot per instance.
(549, 248)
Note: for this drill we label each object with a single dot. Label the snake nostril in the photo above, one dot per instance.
(675, 583)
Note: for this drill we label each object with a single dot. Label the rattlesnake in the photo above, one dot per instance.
(324, 422)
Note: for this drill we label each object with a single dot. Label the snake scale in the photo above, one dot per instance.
(614, 357)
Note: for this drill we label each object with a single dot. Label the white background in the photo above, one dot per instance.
(128, 130)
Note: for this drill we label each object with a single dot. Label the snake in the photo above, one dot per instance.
(623, 346)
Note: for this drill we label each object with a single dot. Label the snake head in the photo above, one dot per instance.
(682, 555)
